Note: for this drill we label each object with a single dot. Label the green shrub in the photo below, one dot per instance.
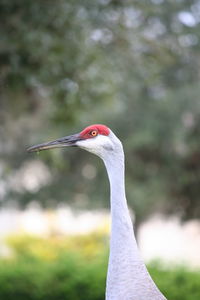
(177, 283)
(71, 271)
(70, 277)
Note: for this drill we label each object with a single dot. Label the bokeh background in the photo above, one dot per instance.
(135, 66)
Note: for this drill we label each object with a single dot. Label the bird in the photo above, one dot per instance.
(127, 275)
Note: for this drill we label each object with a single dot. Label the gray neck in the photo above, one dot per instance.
(115, 170)
(127, 277)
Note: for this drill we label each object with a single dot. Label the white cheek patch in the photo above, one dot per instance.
(108, 147)
(97, 144)
(86, 144)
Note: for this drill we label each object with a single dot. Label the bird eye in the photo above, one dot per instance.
(93, 133)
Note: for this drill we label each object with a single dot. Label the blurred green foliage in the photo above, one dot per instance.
(133, 65)
(51, 248)
(74, 273)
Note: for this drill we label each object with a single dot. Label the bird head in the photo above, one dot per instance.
(97, 139)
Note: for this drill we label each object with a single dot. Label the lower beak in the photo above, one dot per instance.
(59, 143)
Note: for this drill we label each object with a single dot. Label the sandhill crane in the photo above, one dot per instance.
(127, 276)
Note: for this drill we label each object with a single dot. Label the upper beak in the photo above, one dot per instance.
(59, 143)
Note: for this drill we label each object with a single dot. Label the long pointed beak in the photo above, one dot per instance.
(59, 143)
